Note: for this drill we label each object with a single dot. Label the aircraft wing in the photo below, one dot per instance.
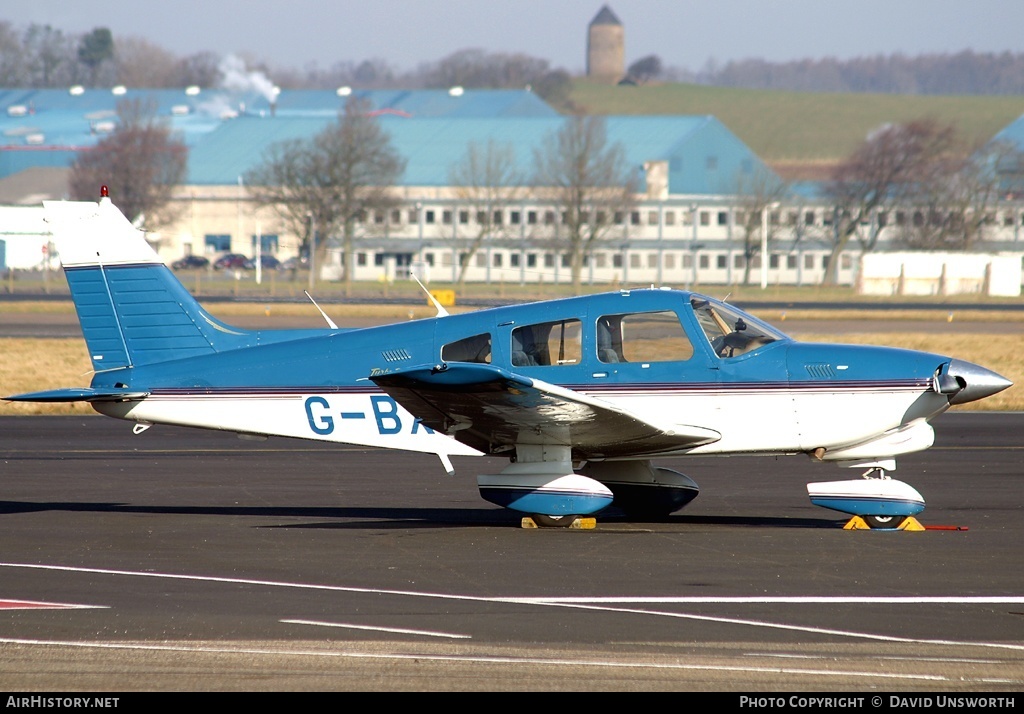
(488, 408)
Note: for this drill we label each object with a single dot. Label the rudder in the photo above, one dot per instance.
(131, 307)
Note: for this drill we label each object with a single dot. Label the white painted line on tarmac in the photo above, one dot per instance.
(246, 581)
(591, 603)
(397, 630)
(782, 626)
(40, 605)
(782, 599)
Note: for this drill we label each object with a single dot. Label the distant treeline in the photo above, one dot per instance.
(41, 56)
(961, 73)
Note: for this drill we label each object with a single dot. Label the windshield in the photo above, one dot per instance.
(731, 331)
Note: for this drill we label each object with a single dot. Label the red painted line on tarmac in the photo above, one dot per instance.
(33, 605)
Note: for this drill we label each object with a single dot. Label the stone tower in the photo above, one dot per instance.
(606, 48)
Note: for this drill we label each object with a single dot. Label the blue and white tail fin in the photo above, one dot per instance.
(132, 308)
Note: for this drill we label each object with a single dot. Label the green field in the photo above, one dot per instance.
(800, 127)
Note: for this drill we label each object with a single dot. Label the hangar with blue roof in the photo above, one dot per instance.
(688, 225)
(685, 165)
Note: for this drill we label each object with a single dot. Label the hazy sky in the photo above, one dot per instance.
(405, 33)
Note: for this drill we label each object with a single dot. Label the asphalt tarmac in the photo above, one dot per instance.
(180, 560)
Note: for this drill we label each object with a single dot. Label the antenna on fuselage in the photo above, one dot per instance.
(441, 312)
(329, 320)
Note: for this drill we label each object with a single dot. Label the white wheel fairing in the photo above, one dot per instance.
(545, 494)
(867, 497)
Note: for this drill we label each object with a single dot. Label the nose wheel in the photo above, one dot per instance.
(538, 520)
(884, 521)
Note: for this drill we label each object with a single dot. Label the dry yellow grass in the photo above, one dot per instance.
(1003, 354)
(32, 365)
(780, 317)
(29, 365)
(388, 312)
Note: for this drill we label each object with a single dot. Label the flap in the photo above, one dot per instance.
(492, 409)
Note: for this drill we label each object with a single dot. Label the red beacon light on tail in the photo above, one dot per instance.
(104, 192)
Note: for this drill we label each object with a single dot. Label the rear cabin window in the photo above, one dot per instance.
(547, 344)
(642, 337)
(469, 349)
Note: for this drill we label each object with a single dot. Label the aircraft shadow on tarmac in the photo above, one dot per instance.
(398, 518)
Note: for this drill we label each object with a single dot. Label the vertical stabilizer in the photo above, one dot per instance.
(132, 308)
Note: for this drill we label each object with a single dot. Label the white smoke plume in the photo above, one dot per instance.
(236, 78)
(238, 81)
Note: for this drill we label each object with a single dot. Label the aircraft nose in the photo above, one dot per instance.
(975, 382)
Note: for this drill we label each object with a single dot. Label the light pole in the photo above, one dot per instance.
(312, 252)
(419, 246)
(693, 247)
(764, 243)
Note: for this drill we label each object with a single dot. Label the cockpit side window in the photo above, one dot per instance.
(469, 349)
(554, 343)
(642, 337)
(730, 331)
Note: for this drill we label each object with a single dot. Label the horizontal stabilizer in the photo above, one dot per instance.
(85, 394)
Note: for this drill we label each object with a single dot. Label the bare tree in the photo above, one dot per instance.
(485, 182)
(140, 63)
(334, 180)
(373, 73)
(883, 172)
(757, 193)
(141, 162)
(50, 56)
(955, 203)
(589, 179)
(477, 68)
(13, 67)
(201, 69)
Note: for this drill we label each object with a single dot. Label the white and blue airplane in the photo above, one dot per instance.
(581, 394)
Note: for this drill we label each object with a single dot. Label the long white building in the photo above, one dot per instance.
(687, 226)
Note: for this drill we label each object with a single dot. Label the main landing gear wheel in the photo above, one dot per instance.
(553, 521)
(884, 521)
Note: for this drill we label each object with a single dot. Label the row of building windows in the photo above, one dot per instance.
(669, 260)
(653, 217)
(599, 259)
(221, 243)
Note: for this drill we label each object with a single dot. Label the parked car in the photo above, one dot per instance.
(295, 263)
(231, 261)
(191, 262)
(268, 262)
